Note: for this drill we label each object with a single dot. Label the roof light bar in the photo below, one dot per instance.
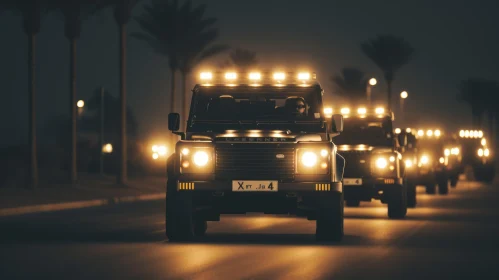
(254, 78)
(279, 76)
(304, 76)
(231, 76)
(206, 76)
(471, 134)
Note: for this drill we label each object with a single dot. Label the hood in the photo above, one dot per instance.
(364, 148)
(257, 136)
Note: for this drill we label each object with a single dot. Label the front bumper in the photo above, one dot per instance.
(373, 188)
(227, 186)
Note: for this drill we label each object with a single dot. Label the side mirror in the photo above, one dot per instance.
(337, 123)
(402, 139)
(173, 122)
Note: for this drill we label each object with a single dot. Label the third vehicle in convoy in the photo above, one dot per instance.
(477, 154)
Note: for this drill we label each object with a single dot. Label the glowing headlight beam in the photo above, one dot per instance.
(200, 158)
(309, 159)
(381, 163)
(425, 159)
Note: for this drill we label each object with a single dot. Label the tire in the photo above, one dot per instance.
(453, 181)
(443, 187)
(430, 189)
(353, 203)
(485, 174)
(179, 223)
(411, 196)
(397, 205)
(200, 227)
(329, 224)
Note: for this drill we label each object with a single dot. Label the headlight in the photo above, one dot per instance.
(480, 152)
(425, 159)
(408, 163)
(447, 152)
(441, 160)
(309, 159)
(313, 161)
(200, 158)
(196, 160)
(381, 163)
(486, 152)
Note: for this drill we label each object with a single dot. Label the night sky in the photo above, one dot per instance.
(453, 41)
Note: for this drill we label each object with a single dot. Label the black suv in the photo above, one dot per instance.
(374, 169)
(432, 168)
(259, 143)
(477, 153)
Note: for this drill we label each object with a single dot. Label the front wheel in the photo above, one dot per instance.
(430, 189)
(397, 205)
(179, 222)
(443, 187)
(329, 224)
(411, 196)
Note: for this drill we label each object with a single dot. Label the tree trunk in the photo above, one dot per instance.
(389, 95)
(185, 109)
(72, 103)
(490, 123)
(33, 162)
(122, 170)
(480, 121)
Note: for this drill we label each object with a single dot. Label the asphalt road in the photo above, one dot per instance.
(446, 237)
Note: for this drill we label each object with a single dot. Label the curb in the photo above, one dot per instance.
(78, 204)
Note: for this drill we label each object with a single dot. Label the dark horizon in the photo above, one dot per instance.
(448, 38)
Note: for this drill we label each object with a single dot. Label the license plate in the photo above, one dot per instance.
(352, 181)
(254, 186)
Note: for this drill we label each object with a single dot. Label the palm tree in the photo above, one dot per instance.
(122, 13)
(197, 44)
(351, 84)
(158, 24)
(389, 53)
(32, 12)
(74, 12)
(473, 92)
(242, 59)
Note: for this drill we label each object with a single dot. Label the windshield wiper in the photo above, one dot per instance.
(193, 120)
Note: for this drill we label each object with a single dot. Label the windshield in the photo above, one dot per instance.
(365, 131)
(254, 107)
(433, 146)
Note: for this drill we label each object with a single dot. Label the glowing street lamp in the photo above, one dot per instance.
(80, 104)
(107, 149)
(372, 83)
(403, 96)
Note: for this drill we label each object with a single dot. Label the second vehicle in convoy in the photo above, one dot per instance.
(373, 169)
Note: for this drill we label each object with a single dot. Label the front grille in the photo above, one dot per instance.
(255, 161)
(357, 164)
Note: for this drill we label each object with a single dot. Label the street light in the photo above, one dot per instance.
(372, 82)
(403, 96)
(80, 103)
(107, 149)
